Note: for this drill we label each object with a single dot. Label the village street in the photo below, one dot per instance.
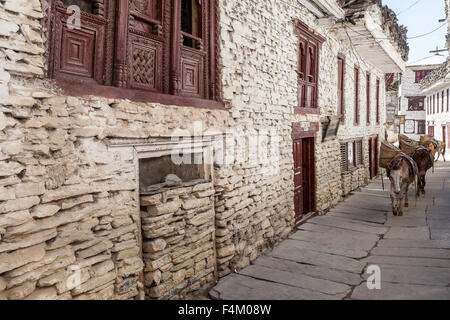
(327, 257)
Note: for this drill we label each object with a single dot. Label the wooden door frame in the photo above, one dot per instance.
(376, 168)
(298, 132)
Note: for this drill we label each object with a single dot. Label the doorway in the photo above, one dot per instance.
(444, 134)
(373, 157)
(304, 184)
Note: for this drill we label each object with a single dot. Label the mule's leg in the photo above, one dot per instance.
(400, 208)
(394, 211)
(423, 185)
(406, 197)
(419, 186)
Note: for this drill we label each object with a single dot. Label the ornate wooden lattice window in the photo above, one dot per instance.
(416, 103)
(154, 49)
(308, 68)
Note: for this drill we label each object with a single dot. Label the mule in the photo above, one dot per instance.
(424, 160)
(441, 150)
(401, 173)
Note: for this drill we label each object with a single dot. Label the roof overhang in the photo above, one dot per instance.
(324, 8)
(372, 44)
(437, 85)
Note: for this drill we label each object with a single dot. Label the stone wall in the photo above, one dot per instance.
(69, 201)
(178, 240)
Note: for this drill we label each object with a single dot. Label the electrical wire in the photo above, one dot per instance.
(426, 34)
(409, 7)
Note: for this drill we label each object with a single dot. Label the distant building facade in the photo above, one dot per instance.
(436, 89)
(411, 109)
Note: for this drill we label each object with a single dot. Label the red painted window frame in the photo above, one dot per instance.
(416, 100)
(308, 73)
(345, 165)
(421, 124)
(357, 115)
(171, 93)
(341, 86)
(378, 101)
(448, 96)
(434, 104)
(368, 97)
(420, 74)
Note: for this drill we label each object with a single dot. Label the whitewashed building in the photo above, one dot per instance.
(412, 101)
(91, 115)
(436, 89)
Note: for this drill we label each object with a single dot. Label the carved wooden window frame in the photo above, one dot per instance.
(310, 44)
(122, 43)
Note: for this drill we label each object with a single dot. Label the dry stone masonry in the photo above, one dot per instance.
(178, 240)
(73, 223)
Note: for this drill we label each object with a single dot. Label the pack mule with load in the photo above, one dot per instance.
(402, 172)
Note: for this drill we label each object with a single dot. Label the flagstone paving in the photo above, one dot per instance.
(328, 256)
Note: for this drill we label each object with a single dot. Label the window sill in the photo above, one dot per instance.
(137, 95)
(299, 110)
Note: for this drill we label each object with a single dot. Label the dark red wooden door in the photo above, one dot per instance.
(298, 179)
(304, 188)
(308, 174)
(444, 134)
(431, 131)
(373, 157)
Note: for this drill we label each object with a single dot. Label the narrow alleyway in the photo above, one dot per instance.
(327, 257)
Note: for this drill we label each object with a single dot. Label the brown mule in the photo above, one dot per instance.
(424, 160)
(401, 172)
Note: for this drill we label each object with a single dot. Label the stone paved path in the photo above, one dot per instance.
(327, 257)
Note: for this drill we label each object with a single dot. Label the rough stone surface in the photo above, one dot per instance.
(70, 199)
(412, 265)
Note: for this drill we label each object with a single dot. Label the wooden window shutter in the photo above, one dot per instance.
(368, 96)
(448, 96)
(358, 154)
(378, 101)
(344, 157)
(341, 92)
(302, 72)
(80, 53)
(356, 95)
